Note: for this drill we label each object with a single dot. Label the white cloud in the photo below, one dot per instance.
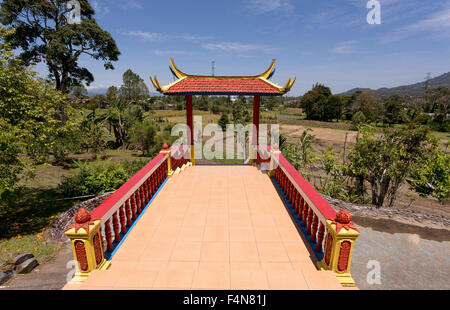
(146, 36)
(347, 47)
(236, 47)
(131, 4)
(438, 22)
(263, 6)
(156, 36)
(171, 52)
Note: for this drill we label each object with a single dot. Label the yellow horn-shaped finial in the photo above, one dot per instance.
(266, 74)
(176, 71)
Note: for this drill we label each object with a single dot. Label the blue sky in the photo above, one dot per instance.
(327, 41)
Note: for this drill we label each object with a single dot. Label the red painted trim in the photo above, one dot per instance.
(104, 207)
(319, 202)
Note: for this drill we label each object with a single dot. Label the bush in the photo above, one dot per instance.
(99, 178)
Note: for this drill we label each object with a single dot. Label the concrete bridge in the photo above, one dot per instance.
(175, 225)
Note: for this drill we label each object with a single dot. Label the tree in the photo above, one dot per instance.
(223, 122)
(79, 91)
(432, 177)
(143, 136)
(393, 109)
(386, 160)
(133, 87)
(319, 104)
(369, 105)
(43, 33)
(314, 102)
(28, 124)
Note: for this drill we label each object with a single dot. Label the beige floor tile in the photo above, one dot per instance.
(285, 280)
(176, 275)
(216, 234)
(186, 251)
(215, 252)
(157, 251)
(212, 275)
(242, 234)
(266, 234)
(243, 252)
(272, 252)
(191, 233)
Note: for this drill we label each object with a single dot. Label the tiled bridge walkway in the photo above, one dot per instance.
(214, 227)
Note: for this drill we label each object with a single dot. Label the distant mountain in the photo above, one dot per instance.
(102, 91)
(97, 91)
(413, 90)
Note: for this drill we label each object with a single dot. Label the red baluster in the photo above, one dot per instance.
(314, 228)
(123, 228)
(116, 228)
(143, 202)
(291, 193)
(145, 190)
(296, 202)
(153, 183)
(300, 208)
(133, 207)
(320, 236)
(108, 235)
(305, 214)
(128, 212)
(138, 201)
(150, 187)
(310, 217)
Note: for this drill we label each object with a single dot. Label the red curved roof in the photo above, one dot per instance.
(218, 86)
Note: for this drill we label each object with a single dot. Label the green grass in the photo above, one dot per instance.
(34, 244)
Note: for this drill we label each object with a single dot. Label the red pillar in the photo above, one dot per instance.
(256, 103)
(190, 119)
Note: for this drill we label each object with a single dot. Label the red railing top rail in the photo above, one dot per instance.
(319, 203)
(106, 206)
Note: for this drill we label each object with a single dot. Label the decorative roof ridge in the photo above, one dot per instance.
(265, 76)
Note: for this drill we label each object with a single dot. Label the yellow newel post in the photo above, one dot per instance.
(87, 245)
(274, 151)
(166, 150)
(339, 242)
